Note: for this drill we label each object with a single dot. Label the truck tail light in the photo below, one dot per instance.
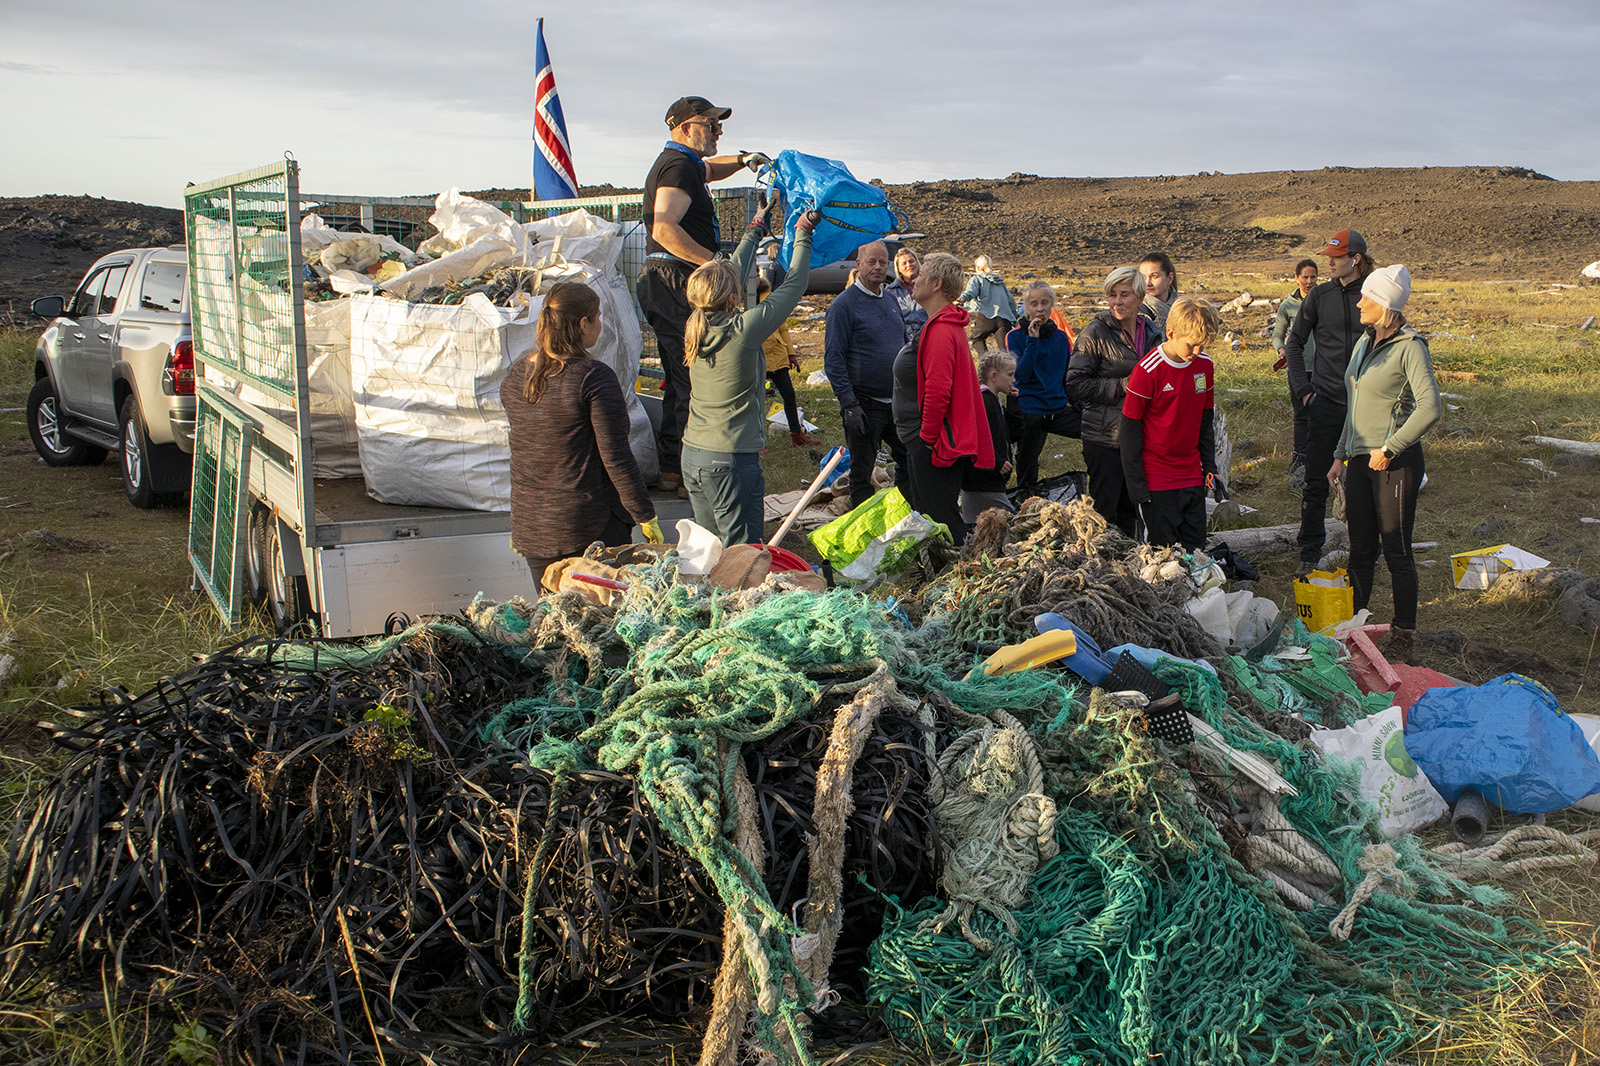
(180, 368)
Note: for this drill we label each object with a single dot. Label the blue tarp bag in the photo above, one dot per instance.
(1506, 738)
(853, 212)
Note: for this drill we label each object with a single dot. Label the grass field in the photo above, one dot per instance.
(104, 601)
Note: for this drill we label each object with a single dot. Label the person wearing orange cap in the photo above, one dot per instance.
(1331, 317)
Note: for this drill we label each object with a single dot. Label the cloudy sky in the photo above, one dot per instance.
(133, 100)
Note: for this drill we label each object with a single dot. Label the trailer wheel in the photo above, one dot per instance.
(288, 598)
(255, 568)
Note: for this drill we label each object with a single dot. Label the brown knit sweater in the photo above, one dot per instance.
(571, 467)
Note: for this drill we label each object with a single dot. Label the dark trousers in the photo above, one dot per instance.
(1032, 433)
(1324, 423)
(617, 532)
(1176, 516)
(936, 490)
(1107, 488)
(1381, 508)
(983, 327)
(664, 299)
(1298, 407)
(726, 490)
(864, 452)
(791, 410)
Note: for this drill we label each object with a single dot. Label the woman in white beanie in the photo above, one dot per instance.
(1392, 401)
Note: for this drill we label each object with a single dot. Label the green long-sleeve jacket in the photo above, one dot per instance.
(1392, 396)
(727, 383)
(1282, 323)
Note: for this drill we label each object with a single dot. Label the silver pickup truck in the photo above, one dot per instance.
(114, 371)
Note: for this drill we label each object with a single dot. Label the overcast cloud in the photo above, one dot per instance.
(131, 101)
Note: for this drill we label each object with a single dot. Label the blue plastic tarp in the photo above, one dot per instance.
(1507, 739)
(853, 212)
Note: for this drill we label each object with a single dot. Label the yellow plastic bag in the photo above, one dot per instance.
(1324, 599)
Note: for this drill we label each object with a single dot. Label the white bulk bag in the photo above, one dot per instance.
(426, 385)
(335, 447)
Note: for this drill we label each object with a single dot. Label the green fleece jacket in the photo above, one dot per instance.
(1283, 321)
(1392, 396)
(727, 382)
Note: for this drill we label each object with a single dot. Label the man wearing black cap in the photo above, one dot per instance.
(1329, 316)
(681, 232)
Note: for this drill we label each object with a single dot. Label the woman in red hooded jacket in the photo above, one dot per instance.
(955, 429)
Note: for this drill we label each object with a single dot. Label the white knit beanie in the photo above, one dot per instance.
(1389, 286)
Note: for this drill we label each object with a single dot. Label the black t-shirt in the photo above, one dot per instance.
(676, 170)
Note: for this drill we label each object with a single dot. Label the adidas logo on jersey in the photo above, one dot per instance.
(1168, 387)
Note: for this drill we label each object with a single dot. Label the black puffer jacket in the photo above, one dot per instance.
(1329, 316)
(1097, 377)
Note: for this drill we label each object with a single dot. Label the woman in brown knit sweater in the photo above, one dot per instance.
(573, 477)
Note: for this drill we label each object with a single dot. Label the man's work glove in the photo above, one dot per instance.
(754, 161)
(652, 531)
(855, 421)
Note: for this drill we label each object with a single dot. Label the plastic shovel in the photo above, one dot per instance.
(1035, 651)
(1087, 661)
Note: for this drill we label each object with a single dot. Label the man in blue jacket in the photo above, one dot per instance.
(864, 333)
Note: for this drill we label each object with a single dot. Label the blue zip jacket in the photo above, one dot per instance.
(1041, 370)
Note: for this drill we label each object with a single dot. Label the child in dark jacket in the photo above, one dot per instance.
(1168, 434)
(983, 488)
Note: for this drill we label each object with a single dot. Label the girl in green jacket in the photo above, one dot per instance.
(1392, 400)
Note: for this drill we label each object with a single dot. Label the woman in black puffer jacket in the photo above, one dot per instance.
(1105, 354)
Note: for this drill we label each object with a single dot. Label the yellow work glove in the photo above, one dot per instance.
(652, 531)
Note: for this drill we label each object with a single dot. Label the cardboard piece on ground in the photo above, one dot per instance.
(775, 508)
(1478, 567)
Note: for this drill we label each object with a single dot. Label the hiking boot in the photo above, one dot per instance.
(668, 482)
(683, 491)
(1402, 644)
(1304, 569)
(800, 440)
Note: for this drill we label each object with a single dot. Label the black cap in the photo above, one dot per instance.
(695, 107)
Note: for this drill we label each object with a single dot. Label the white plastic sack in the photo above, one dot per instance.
(1406, 800)
(426, 383)
(463, 220)
(779, 417)
(1210, 609)
(469, 262)
(1250, 617)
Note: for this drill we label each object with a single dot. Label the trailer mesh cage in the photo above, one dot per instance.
(244, 273)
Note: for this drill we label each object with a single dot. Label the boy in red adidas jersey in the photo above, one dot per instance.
(1168, 435)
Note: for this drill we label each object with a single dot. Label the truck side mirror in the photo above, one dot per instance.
(49, 306)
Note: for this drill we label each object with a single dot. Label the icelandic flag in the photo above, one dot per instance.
(553, 178)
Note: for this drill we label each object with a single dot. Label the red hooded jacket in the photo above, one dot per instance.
(953, 420)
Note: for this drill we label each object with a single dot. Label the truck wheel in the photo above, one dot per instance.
(288, 599)
(151, 473)
(54, 446)
(136, 476)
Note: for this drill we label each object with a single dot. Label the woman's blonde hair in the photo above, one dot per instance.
(712, 287)
(1391, 320)
(1036, 285)
(982, 264)
(1128, 276)
(1193, 319)
(946, 270)
(559, 335)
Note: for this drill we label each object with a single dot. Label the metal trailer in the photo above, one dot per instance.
(320, 553)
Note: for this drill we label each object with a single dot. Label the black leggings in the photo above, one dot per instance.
(1380, 509)
(780, 381)
(936, 490)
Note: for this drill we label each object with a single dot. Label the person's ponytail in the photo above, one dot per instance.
(712, 287)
